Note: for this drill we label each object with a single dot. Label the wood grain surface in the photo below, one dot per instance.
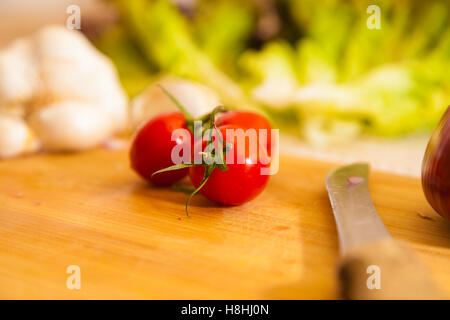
(132, 240)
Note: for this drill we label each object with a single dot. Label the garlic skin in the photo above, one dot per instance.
(66, 90)
(16, 138)
(72, 69)
(197, 99)
(19, 78)
(70, 126)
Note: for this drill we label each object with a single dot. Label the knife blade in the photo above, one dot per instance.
(355, 215)
(366, 245)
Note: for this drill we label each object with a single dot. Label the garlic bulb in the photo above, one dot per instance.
(196, 98)
(15, 137)
(67, 90)
(18, 77)
(70, 126)
(72, 69)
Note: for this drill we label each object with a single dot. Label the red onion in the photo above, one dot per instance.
(436, 168)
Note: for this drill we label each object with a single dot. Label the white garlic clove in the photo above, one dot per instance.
(19, 76)
(16, 137)
(69, 92)
(72, 69)
(64, 45)
(107, 94)
(70, 126)
(196, 98)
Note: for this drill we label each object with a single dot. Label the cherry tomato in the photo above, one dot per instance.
(247, 120)
(152, 148)
(241, 182)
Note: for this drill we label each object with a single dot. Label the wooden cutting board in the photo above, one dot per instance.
(131, 240)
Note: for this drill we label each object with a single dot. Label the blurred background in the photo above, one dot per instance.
(337, 88)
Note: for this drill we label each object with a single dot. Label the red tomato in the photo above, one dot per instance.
(240, 183)
(152, 147)
(247, 120)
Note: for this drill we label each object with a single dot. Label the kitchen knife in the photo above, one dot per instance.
(373, 265)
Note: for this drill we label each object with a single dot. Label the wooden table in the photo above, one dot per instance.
(132, 240)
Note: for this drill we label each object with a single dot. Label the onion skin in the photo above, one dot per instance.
(436, 168)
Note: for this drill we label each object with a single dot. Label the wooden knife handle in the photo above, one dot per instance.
(385, 269)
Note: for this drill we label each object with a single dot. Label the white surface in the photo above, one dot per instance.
(400, 156)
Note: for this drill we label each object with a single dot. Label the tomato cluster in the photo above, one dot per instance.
(232, 184)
